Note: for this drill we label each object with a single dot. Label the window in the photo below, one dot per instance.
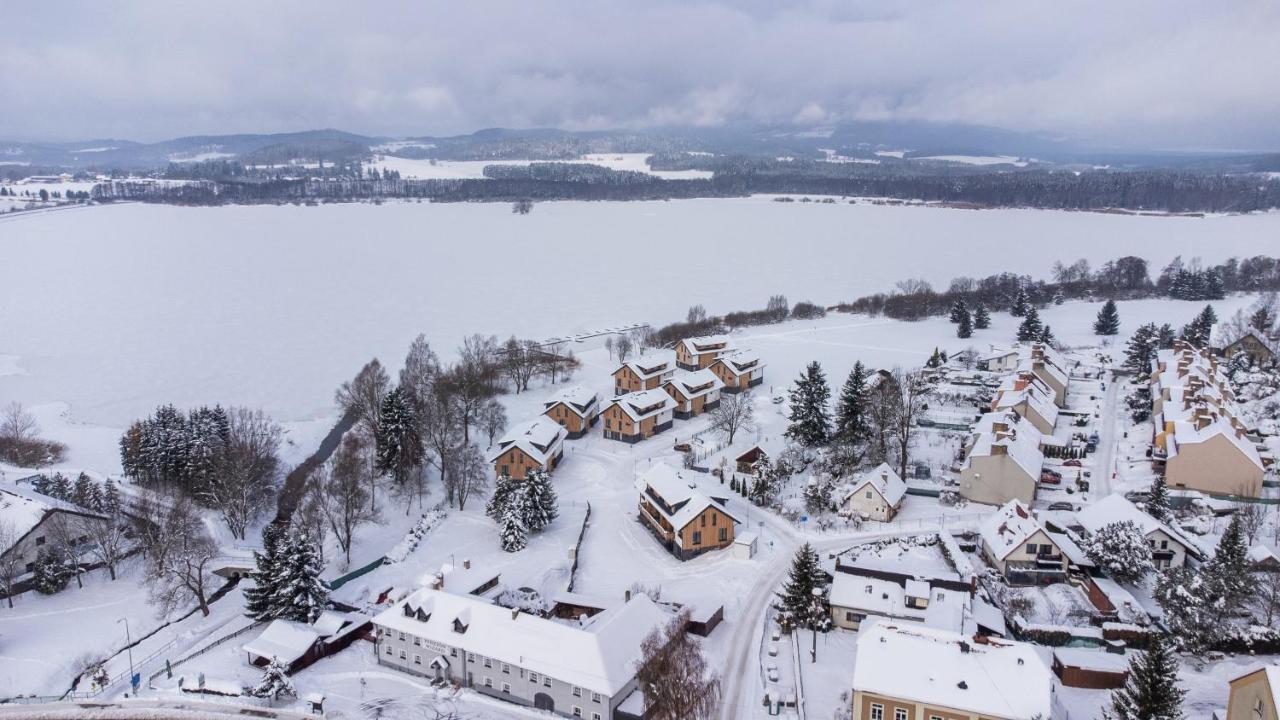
(1164, 544)
(453, 652)
(506, 470)
(877, 711)
(577, 711)
(704, 520)
(506, 687)
(724, 534)
(868, 589)
(402, 655)
(417, 659)
(417, 641)
(577, 691)
(941, 597)
(595, 697)
(533, 677)
(546, 681)
(388, 649)
(850, 616)
(31, 567)
(471, 657)
(506, 669)
(935, 717)
(488, 663)
(488, 682)
(899, 714)
(868, 494)
(401, 637)
(595, 716)
(697, 537)
(39, 541)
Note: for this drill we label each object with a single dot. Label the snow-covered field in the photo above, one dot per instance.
(474, 169)
(115, 309)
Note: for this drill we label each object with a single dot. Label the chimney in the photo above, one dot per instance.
(466, 564)
(999, 449)
(514, 613)
(626, 596)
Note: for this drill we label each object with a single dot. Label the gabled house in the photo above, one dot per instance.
(739, 370)
(699, 352)
(639, 415)
(1169, 547)
(876, 494)
(694, 392)
(576, 409)
(1003, 460)
(908, 579)
(572, 669)
(536, 444)
(35, 519)
(646, 372)
(998, 361)
(1051, 369)
(686, 521)
(1260, 349)
(1029, 397)
(1015, 543)
(912, 672)
(1255, 695)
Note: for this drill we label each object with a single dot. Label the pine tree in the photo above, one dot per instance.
(981, 317)
(1046, 336)
(1214, 287)
(1121, 550)
(1108, 321)
(1151, 691)
(1020, 303)
(958, 310)
(795, 602)
(299, 594)
(1230, 584)
(851, 409)
(260, 600)
(810, 423)
(111, 498)
(513, 534)
(1181, 594)
(1141, 350)
(52, 571)
(399, 446)
(1059, 298)
(60, 487)
(1030, 329)
(1158, 503)
(965, 327)
(502, 492)
(1200, 330)
(1165, 337)
(817, 495)
(935, 360)
(539, 501)
(82, 491)
(275, 682)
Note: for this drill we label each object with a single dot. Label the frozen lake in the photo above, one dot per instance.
(115, 309)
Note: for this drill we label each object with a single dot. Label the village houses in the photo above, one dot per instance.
(37, 521)
(1002, 460)
(575, 408)
(739, 370)
(646, 372)
(876, 494)
(1016, 544)
(694, 392)
(1027, 395)
(1254, 695)
(700, 352)
(1169, 547)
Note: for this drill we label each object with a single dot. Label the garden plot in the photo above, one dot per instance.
(1060, 604)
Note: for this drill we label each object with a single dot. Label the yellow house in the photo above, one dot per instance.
(1255, 695)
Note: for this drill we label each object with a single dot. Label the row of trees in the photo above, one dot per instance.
(226, 460)
(20, 441)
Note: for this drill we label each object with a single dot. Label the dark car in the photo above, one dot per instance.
(1066, 506)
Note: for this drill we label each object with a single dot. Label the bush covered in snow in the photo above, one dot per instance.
(420, 530)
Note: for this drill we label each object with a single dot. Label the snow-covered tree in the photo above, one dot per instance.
(1141, 350)
(1158, 503)
(817, 495)
(1108, 320)
(259, 600)
(275, 682)
(1120, 550)
(512, 534)
(52, 571)
(540, 504)
(1046, 337)
(399, 447)
(1151, 691)
(1182, 596)
(1020, 303)
(851, 408)
(1030, 328)
(795, 602)
(809, 416)
(763, 483)
(502, 492)
(1199, 331)
(958, 310)
(935, 360)
(1229, 582)
(1165, 336)
(981, 317)
(964, 327)
(300, 595)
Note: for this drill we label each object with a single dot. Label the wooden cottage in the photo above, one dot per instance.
(576, 409)
(638, 416)
(699, 353)
(694, 392)
(643, 373)
(536, 444)
(739, 370)
(686, 522)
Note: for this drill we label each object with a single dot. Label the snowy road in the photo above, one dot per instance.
(1101, 480)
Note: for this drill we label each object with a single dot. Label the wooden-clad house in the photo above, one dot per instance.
(686, 521)
(639, 415)
(698, 353)
(739, 370)
(694, 392)
(576, 409)
(647, 372)
(536, 444)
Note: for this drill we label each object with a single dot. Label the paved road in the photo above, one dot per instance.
(1100, 486)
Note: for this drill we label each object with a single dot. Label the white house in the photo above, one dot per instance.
(1003, 459)
(1015, 543)
(35, 518)
(876, 494)
(998, 360)
(1169, 547)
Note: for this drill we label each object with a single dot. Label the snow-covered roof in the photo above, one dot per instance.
(1116, 508)
(21, 512)
(936, 667)
(1262, 553)
(703, 345)
(650, 364)
(539, 438)
(683, 501)
(1187, 433)
(284, 640)
(579, 398)
(1022, 388)
(742, 360)
(645, 403)
(1092, 659)
(600, 656)
(1003, 432)
(329, 623)
(696, 383)
(1008, 528)
(885, 481)
(997, 354)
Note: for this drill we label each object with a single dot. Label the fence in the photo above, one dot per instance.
(338, 582)
(577, 549)
(205, 649)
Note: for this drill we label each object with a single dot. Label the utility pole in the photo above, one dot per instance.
(128, 646)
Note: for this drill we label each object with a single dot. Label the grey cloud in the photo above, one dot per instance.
(1172, 74)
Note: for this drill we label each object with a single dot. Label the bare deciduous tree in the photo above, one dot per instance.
(674, 676)
(10, 563)
(363, 396)
(1252, 518)
(473, 380)
(346, 502)
(468, 474)
(623, 346)
(419, 375)
(735, 414)
(912, 399)
(179, 555)
(493, 419)
(310, 517)
(243, 487)
(17, 424)
(521, 360)
(109, 541)
(20, 443)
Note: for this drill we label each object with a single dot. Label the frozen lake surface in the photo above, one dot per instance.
(115, 309)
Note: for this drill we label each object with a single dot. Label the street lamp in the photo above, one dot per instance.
(128, 646)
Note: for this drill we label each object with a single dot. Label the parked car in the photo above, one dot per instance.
(1071, 463)
(1050, 477)
(1064, 506)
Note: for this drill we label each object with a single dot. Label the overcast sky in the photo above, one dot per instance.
(1144, 73)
